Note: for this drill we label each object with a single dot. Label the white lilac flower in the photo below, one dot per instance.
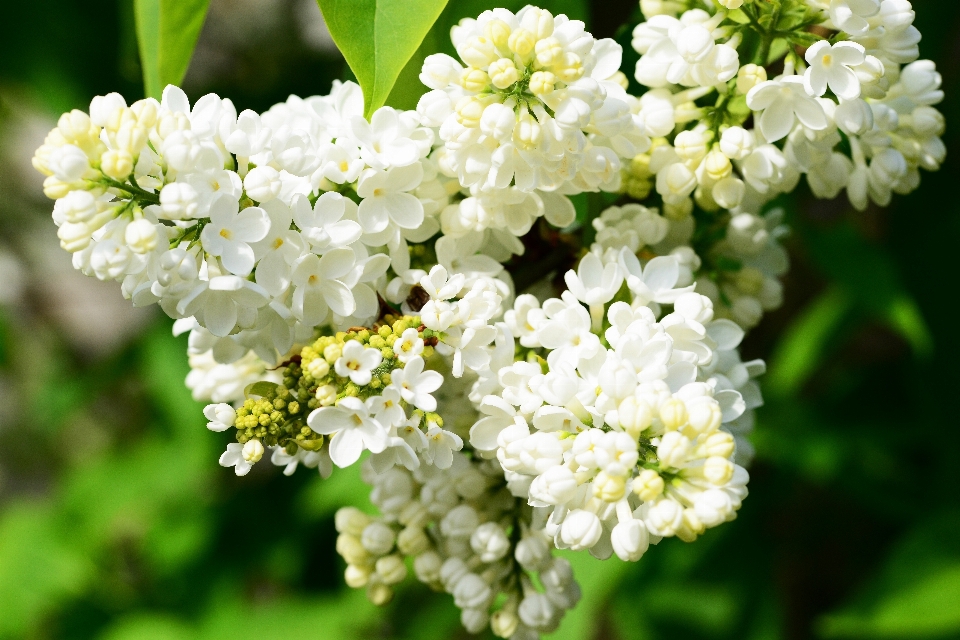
(230, 233)
(318, 285)
(783, 102)
(539, 104)
(323, 225)
(353, 429)
(358, 362)
(831, 66)
(278, 249)
(386, 199)
(417, 385)
(242, 457)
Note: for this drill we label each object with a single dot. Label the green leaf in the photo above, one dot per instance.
(167, 32)
(378, 38)
(870, 276)
(598, 582)
(916, 594)
(40, 566)
(799, 351)
(262, 388)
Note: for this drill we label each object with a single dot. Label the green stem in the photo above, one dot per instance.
(139, 194)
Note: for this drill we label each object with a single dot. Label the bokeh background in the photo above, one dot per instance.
(117, 523)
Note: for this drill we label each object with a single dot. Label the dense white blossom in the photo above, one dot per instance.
(347, 282)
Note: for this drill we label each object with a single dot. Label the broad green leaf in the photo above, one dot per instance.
(378, 38)
(167, 31)
(799, 351)
(868, 273)
(917, 593)
(598, 582)
(262, 388)
(928, 608)
(149, 626)
(40, 566)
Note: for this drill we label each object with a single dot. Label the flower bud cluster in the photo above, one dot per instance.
(366, 257)
(365, 389)
(538, 103)
(854, 113)
(465, 534)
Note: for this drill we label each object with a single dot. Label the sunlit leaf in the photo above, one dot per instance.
(167, 32)
(800, 349)
(378, 38)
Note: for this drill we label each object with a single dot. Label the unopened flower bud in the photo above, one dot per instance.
(673, 414)
(716, 165)
(427, 567)
(718, 470)
(569, 68)
(356, 576)
(391, 569)
(141, 236)
(532, 552)
(536, 611)
(549, 51)
(522, 43)
(351, 550)
(77, 206)
(580, 530)
(704, 415)
(460, 522)
(262, 183)
(252, 451)
(377, 538)
(75, 126)
(504, 623)
(74, 236)
(379, 594)
(630, 540)
(318, 368)
(690, 526)
(116, 164)
(635, 416)
(67, 162)
(412, 541)
(351, 520)
(736, 143)
(474, 620)
(749, 76)
(673, 449)
(490, 542)
(503, 73)
(729, 192)
(542, 83)
(471, 592)
(664, 517)
(498, 32)
(469, 111)
(326, 395)
(691, 145)
(648, 485)
(609, 488)
(527, 132)
(475, 80)
(478, 52)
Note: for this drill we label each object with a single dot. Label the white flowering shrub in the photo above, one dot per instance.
(339, 266)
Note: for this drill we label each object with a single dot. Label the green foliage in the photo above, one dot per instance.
(167, 31)
(378, 38)
(917, 592)
(117, 523)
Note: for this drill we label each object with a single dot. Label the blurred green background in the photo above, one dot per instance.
(117, 523)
